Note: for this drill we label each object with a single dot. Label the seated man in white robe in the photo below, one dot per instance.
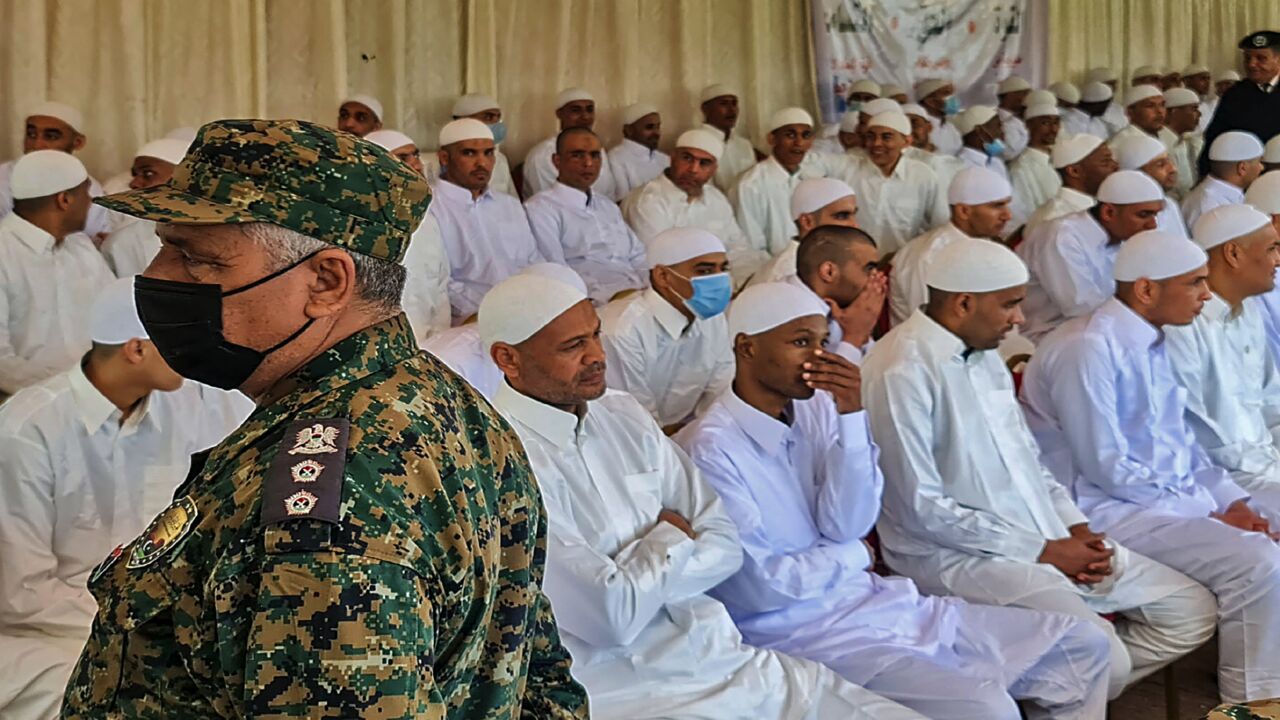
(815, 202)
(719, 106)
(969, 510)
(1149, 155)
(762, 196)
(1103, 404)
(853, 136)
(1031, 174)
(1095, 99)
(669, 345)
(1070, 258)
(576, 227)
(921, 147)
(1182, 117)
(837, 138)
(982, 136)
(938, 97)
(1264, 194)
(486, 109)
(1011, 96)
(87, 459)
(131, 246)
(790, 453)
(1235, 161)
(1114, 115)
(1082, 163)
(360, 115)
(1144, 106)
(575, 108)
(635, 536)
(1197, 78)
(637, 160)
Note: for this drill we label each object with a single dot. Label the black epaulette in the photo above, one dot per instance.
(305, 479)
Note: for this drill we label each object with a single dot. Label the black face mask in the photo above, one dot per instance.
(184, 321)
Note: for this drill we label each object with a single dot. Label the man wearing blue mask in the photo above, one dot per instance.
(939, 99)
(485, 108)
(669, 345)
(983, 136)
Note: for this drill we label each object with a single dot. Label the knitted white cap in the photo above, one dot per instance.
(1156, 255)
(42, 173)
(464, 129)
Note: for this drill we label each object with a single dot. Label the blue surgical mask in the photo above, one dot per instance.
(853, 106)
(951, 105)
(499, 130)
(711, 295)
(995, 148)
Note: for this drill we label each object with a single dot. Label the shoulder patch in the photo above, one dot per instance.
(305, 479)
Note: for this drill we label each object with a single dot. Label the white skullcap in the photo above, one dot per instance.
(1146, 71)
(871, 87)
(849, 121)
(185, 134)
(1264, 193)
(114, 320)
(1129, 187)
(703, 140)
(973, 118)
(892, 120)
(635, 111)
(573, 94)
(558, 272)
(166, 149)
(45, 172)
(1179, 97)
(1101, 74)
(1065, 92)
(1072, 149)
(1096, 92)
(473, 103)
(915, 109)
(1136, 150)
(515, 309)
(368, 101)
(881, 105)
(1227, 222)
(389, 139)
(1040, 110)
(888, 91)
(1156, 255)
(974, 265)
(1234, 146)
(976, 186)
(789, 116)
(763, 307)
(676, 245)
(65, 113)
(1228, 75)
(1138, 93)
(1271, 151)
(464, 129)
(1041, 97)
(925, 88)
(1013, 83)
(1195, 69)
(711, 92)
(813, 194)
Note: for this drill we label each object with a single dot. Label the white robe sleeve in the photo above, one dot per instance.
(17, 372)
(849, 480)
(751, 209)
(1062, 279)
(547, 230)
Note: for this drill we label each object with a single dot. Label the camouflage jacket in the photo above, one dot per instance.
(398, 579)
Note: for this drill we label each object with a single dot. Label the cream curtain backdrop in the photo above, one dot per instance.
(138, 68)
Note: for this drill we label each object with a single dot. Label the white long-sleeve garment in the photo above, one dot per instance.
(1207, 195)
(1115, 118)
(907, 288)
(634, 165)
(74, 483)
(977, 158)
(671, 366)
(461, 349)
(1269, 305)
(46, 291)
(1070, 261)
(98, 222)
(895, 208)
(629, 591)
(487, 240)
(945, 167)
(945, 136)
(426, 288)
(1034, 182)
(131, 248)
(1165, 135)
(762, 201)
(588, 234)
(540, 172)
(738, 157)
(1078, 122)
(1186, 156)
(1015, 134)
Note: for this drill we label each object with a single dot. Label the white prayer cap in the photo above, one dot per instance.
(1041, 97)
(1228, 75)
(1129, 187)
(892, 120)
(1101, 74)
(915, 109)
(389, 139)
(464, 129)
(813, 194)
(789, 116)
(1156, 255)
(849, 121)
(881, 105)
(1136, 150)
(1138, 93)
(1096, 92)
(761, 308)
(185, 134)
(368, 101)
(888, 91)
(976, 265)
(1264, 193)
(1195, 69)
(473, 103)
(1072, 149)
(166, 149)
(977, 185)
(1271, 151)
(925, 88)
(515, 309)
(573, 94)
(635, 111)
(1013, 83)
(1227, 222)
(703, 140)
(556, 271)
(1234, 146)
(1065, 92)
(1146, 71)
(1179, 97)
(1040, 110)
(65, 113)
(871, 87)
(45, 172)
(711, 92)
(114, 318)
(676, 245)
(973, 118)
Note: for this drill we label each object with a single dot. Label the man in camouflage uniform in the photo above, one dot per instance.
(1257, 710)
(370, 542)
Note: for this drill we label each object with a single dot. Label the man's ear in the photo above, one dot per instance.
(506, 357)
(78, 142)
(555, 160)
(1146, 291)
(333, 288)
(805, 223)
(744, 346)
(134, 351)
(442, 156)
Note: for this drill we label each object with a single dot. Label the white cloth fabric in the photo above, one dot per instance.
(1034, 182)
(946, 167)
(589, 235)
(673, 367)
(1115, 118)
(1170, 219)
(1207, 195)
(540, 173)
(1015, 133)
(74, 483)
(1078, 122)
(782, 267)
(907, 287)
(634, 165)
(945, 137)
(487, 239)
(738, 157)
(1164, 135)
(762, 202)
(461, 349)
(426, 287)
(130, 249)
(1185, 156)
(1065, 202)
(977, 158)
(898, 207)
(1070, 260)
(46, 290)
(98, 222)
(629, 592)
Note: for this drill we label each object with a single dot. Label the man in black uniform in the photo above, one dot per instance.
(1253, 104)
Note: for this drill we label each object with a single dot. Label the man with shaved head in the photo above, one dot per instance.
(575, 108)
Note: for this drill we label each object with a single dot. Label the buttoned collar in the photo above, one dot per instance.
(33, 237)
(769, 434)
(1133, 330)
(571, 197)
(668, 316)
(558, 427)
(458, 195)
(95, 410)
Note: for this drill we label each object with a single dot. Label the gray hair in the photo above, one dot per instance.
(379, 283)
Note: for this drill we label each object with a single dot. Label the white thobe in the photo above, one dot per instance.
(630, 592)
(945, 137)
(426, 287)
(74, 483)
(98, 222)
(907, 288)
(1077, 122)
(1170, 220)
(1269, 304)
(945, 167)
(977, 158)
(762, 202)
(895, 208)
(1115, 118)
(660, 205)
(1186, 156)
(1015, 134)
(1065, 202)
(1109, 416)
(804, 490)
(781, 267)
(1034, 182)
(540, 173)
(968, 507)
(738, 157)
(487, 239)
(1207, 195)
(1164, 135)
(588, 234)
(1070, 261)
(673, 367)
(461, 349)
(46, 291)
(131, 248)
(634, 165)
(499, 181)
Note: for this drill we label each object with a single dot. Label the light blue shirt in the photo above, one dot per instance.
(1271, 317)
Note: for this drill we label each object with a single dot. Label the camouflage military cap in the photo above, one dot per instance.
(321, 182)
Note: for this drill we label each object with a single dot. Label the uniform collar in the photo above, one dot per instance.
(571, 196)
(558, 427)
(768, 433)
(668, 316)
(95, 410)
(30, 235)
(458, 195)
(1133, 330)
